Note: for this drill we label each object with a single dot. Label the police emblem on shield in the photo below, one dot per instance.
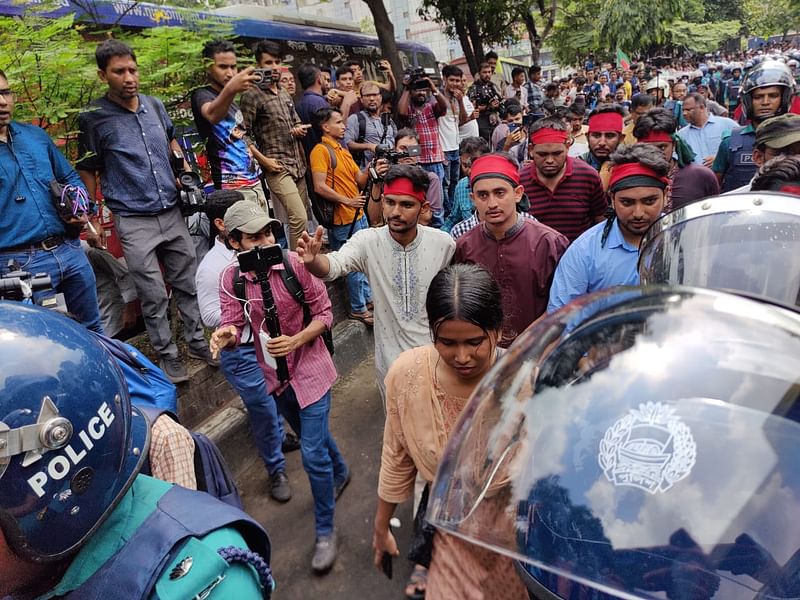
(650, 448)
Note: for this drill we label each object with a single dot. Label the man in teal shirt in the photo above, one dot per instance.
(76, 519)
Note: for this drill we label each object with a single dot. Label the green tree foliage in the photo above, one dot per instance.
(700, 38)
(50, 65)
(776, 17)
(635, 25)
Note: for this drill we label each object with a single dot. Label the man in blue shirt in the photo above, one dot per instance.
(128, 138)
(607, 254)
(315, 87)
(33, 235)
(704, 131)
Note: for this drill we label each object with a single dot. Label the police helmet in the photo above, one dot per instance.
(767, 74)
(641, 442)
(746, 243)
(70, 442)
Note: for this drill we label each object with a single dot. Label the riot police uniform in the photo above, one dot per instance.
(71, 448)
(734, 159)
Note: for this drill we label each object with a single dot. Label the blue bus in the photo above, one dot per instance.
(302, 37)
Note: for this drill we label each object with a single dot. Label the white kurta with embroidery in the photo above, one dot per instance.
(399, 278)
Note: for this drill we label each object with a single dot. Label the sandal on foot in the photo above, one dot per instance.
(415, 588)
(365, 317)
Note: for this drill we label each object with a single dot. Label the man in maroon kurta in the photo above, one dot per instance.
(521, 254)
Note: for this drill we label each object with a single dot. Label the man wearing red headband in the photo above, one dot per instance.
(605, 134)
(608, 253)
(399, 259)
(688, 181)
(521, 254)
(564, 193)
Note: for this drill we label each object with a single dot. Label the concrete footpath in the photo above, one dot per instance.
(208, 405)
(357, 425)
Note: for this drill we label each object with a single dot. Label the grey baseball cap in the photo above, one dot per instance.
(249, 217)
(779, 132)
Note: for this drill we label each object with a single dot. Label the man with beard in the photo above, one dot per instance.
(365, 129)
(521, 254)
(688, 181)
(705, 130)
(605, 134)
(564, 193)
(766, 92)
(423, 114)
(608, 253)
(486, 96)
(399, 259)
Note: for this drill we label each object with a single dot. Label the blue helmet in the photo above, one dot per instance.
(70, 442)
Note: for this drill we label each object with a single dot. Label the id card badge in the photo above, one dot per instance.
(269, 360)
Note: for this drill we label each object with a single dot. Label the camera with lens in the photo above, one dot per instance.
(417, 78)
(485, 92)
(265, 77)
(393, 156)
(191, 196)
(20, 286)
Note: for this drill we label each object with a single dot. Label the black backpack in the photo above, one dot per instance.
(322, 208)
(292, 286)
(211, 471)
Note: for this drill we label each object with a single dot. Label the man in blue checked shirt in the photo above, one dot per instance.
(34, 238)
(607, 254)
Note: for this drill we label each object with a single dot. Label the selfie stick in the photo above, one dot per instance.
(271, 319)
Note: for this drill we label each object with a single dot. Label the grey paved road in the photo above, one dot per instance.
(357, 424)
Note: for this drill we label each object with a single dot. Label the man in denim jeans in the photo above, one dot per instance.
(458, 111)
(240, 366)
(33, 235)
(305, 398)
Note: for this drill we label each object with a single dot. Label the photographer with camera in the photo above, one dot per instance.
(369, 128)
(485, 95)
(221, 125)
(422, 114)
(128, 138)
(305, 397)
(35, 233)
(277, 131)
(338, 179)
(399, 259)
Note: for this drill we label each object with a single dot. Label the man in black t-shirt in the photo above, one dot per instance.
(231, 156)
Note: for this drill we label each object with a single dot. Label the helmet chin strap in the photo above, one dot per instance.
(50, 432)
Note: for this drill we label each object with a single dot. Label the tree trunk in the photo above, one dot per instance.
(463, 37)
(475, 37)
(533, 37)
(386, 37)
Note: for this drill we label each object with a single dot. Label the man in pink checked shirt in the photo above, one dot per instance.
(305, 400)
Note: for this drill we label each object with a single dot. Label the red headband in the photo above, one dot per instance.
(656, 137)
(402, 186)
(609, 121)
(623, 171)
(493, 165)
(546, 135)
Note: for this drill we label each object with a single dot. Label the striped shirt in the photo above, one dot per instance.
(311, 370)
(576, 203)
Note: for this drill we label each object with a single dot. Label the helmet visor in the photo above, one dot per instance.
(640, 443)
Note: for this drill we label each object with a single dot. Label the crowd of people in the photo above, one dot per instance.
(459, 210)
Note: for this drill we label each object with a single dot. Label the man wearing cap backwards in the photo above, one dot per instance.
(608, 253)
(778, 136)
(688, 181)
(521, 254)
(399, 259)
(564, 193)
(305, 399)
(605, 134)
